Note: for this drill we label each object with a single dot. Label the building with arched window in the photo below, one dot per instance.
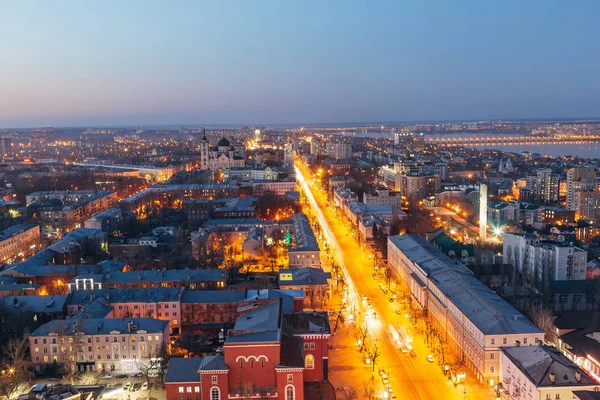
(269, 354)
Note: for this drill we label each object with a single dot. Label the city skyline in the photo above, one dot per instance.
(115, 64)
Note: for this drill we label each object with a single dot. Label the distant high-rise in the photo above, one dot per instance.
(483, 199)
(338, 150)
(5, 146)
(579, 180)
(543, 187)
(396, 138)
(257, 135)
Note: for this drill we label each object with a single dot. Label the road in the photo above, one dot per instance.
(412, 377)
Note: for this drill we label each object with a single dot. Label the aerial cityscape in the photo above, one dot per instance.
(299, 200)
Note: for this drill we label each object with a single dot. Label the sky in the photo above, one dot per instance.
(84, 63)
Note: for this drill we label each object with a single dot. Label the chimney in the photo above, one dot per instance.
(552, 377)
(578, 376)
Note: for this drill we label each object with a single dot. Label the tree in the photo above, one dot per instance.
(375, 353)
(339, 316)
(349, 393)
(542, 317)
(388, 275)
(152, 363)
(369, 390)
(363, 335)
(15, 380)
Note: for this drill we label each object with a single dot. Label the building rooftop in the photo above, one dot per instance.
(15, 230)
(303, 276)
(37, 304)
(183, 370)
(306, 323)
(304, 237)
(101, 326)
(138, 295)
(543, 364)
(485, 309)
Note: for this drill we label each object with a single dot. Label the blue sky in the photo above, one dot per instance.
(71, 63)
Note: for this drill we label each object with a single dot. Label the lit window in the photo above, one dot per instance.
(309, 361)
(214, 379)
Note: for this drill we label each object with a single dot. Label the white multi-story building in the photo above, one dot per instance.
(390, 177)
(383, 197)
(579, 180)
(98, 344)
(551, 261)
(306, 251)
(343, 195)
(278, 187)
(338, 150)
(541, 373)
(474, 321)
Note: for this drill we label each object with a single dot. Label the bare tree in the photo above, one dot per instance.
(375, 353)
(363, 335)
(339, 316)
(151, 363)
(349, 393)
(542, 317)
(15, 377)
(369, 390)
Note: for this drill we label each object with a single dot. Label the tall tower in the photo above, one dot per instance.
(483, 199)
(257, 135)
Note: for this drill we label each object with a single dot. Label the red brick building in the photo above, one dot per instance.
(268, 353)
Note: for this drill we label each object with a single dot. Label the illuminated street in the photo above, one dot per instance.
(411, 377)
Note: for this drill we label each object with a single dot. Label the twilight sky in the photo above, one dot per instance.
(74, 63)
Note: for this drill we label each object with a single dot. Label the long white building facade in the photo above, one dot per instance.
(471, 318)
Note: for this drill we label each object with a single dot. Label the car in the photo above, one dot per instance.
(153, 375)
(138, 375)
(145, 386)
(391, 300)
(106, 376)
(121, 376)
(429, 358)
(136, 386)
(384, 380)
(413, 353)
(374, 276)
(404, 349)
(381, 371)
(364, 297)
(127, 386)
(385, 291)
(399, 312)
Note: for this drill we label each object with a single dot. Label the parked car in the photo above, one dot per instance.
(413, 353)
(429, 358)
(136, 386)
(127, 386)
(391, 299)
(122, 376)
(145, 386)
(138, 375)
(106, 376)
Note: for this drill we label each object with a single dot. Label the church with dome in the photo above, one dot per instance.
(219, 157)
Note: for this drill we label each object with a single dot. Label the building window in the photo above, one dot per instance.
(312, 345)
(492, 369)
(215, 394)
(289, 393)
(309, 361)
(180, 389)
(493, 341)
(492, 356)
(504, 341)
(215, 379)
(196, 389)
(189, 389)
(290, 378)
(524, 340)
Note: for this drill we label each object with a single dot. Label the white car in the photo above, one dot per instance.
(106, 376)
(145, 386)
(429, 358)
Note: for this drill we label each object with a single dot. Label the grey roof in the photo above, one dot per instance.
(183, 370)
(287, 297)
(304, 323)
(304, 237)
(213, 363)
(272, 335)
(539, 363)
(213, 296)
(15, 230)
(34, 270)
(176, 275)
(263, 318)
(11, 287)
(304, 276)
(37, 304)
(485, 309)
(101, 326)
(137, 295)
